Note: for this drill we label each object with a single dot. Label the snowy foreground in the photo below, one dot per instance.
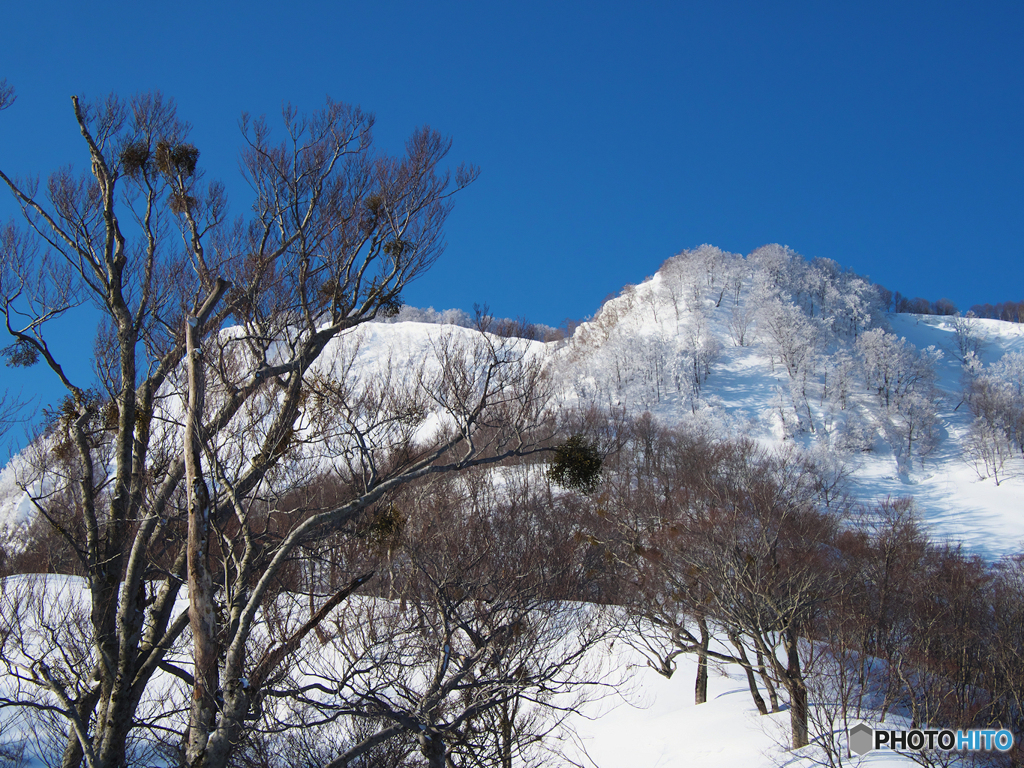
(658, 726)
(647, 722)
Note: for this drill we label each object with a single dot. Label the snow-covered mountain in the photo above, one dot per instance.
(772, 346)
(788, 350)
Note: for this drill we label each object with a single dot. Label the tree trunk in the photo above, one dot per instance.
(797, 690)
(202, 616)
(755, 693)
(432, 747)
(798, 713)
(505, 716)
(773, 695)
(73, 752)
(701, 686)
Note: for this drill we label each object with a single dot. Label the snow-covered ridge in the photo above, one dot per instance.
(789, 350)
(772, 346)
(394, 355)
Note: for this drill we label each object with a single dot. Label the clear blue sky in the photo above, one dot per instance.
(610, 135)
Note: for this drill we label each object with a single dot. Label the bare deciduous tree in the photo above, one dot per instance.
(207, 353)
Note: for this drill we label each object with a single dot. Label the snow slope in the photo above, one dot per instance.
(657, 725)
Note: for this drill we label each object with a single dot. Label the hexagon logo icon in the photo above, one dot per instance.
(862, 738)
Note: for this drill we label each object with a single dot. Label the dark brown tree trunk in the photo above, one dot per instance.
(748, 668)
(506, 716)
(797, 690)
(773, 695)
(701, 685)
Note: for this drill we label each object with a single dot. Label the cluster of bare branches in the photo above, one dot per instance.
(465, 645)
(724, 544)
(227, 384)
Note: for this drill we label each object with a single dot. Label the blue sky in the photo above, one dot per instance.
(610, 135)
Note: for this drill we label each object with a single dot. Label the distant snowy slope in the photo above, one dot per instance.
(770, 346)
(783, 350)
(394, 356)
(657, 725)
